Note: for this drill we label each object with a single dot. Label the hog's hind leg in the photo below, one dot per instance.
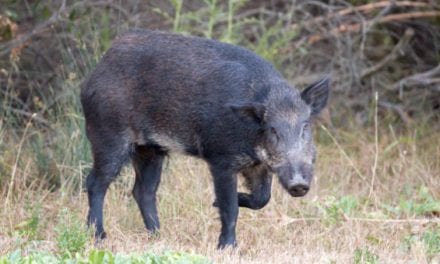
(147, 162)
(109, 157)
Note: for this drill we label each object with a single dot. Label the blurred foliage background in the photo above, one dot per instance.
(386, 48)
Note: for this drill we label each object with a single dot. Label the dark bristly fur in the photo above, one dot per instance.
(156, 92)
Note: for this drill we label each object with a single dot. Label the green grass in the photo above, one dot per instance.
(103, 256)
(431, 238)
(365, 256)
(335, 209)
(71, 235)
(428, 239)
(414, 203)
(30, 227)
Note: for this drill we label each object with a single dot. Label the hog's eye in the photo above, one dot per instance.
(274, 135)
(305, 129)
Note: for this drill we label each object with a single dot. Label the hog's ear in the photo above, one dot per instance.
(316, 95)
(255, 112)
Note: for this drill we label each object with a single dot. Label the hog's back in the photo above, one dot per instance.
(167, 87)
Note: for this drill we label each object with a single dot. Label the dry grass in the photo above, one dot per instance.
(316, 229)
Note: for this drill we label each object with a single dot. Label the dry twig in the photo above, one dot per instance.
(363, 8)
(424, 78)
(386, 19)
(24, 38)
(59, 15)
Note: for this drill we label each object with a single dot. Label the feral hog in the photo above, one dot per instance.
(153, 93)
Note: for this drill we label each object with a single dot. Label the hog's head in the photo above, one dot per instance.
(286, 140)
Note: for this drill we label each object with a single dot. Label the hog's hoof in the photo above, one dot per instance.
(100, 236)
(226, 244)
(153, 234)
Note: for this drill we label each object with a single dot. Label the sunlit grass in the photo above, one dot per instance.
(336, 220)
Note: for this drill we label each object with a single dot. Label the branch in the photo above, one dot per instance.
(21, 40)
(386, 19)
(381, 4)
(56, 17)
(425, 78)
(397, 51)
(363, 8)
(289, 220)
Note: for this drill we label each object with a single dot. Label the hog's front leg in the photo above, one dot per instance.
(258, 181)
(225, 184)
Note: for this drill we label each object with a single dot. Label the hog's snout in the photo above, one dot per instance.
(298, 190)
(298, 186)
(295, 179)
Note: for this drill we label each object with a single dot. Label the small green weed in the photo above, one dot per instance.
(29, 227)
(177, 4)
(271, 40)
(230, 35)
(365, 256)
(431, 238)
(334, 209)
(72, 235)
(420, 203)
(212, 17)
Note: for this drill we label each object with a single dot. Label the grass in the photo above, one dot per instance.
(103, 256)
(365, 256)
(375, 196)
(337, 221)
(71, 235)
